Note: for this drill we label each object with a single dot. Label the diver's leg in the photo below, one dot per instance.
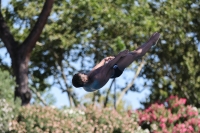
(139, 52)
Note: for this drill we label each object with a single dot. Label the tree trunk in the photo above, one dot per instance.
(20, 69)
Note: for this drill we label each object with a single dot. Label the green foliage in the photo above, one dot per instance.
(8, 109)
(47, 119)
(7, 85)
(87, 31)
(78, 30)
(173, 67)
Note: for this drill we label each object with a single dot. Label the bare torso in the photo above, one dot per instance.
(98, 78)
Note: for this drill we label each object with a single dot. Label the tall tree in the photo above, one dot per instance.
(20, 52)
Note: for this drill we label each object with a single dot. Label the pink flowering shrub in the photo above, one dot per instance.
(172, 116)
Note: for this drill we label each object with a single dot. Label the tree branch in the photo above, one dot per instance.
(131, 84)
(7, 37)
(32, 38)
(108, 92)
(72, 100)
(39, 97)
(68, 92)
(115, 97)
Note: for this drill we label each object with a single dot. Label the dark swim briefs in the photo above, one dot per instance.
(117, 72)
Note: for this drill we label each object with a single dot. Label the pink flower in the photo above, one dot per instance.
(184, 130)
(191, 128)
(170, 120)
(192, 121)
(165, 131)
(175, 112)
(163, 120)
(172, 97)
(162, 125)
(143, 118)
(154, 116)
(182, 100)
(182, 125)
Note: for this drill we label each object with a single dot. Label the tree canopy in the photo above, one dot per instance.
(80, 33)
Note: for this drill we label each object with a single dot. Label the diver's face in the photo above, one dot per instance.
(84, 77)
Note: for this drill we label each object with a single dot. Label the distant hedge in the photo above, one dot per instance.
(37, 119)
(171, 116)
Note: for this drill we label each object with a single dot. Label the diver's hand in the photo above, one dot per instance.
(109, 58)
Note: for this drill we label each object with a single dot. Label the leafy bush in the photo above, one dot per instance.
(6, 115)
(34, 119)
(7, 108)
(7, 84)
(171, 116)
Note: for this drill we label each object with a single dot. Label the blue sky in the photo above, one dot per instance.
(132, 98)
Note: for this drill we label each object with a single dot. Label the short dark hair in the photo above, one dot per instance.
(77, 81)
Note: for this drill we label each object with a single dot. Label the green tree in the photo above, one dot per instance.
(173, 68)
(78, 34)
(77, 30)
(20, 48)
(86, 32)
